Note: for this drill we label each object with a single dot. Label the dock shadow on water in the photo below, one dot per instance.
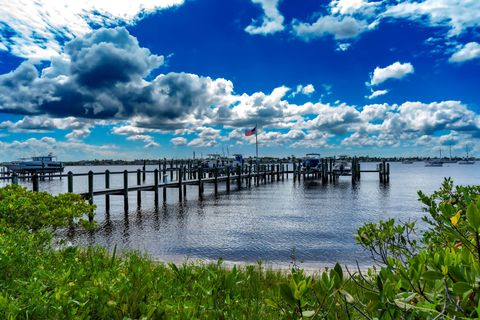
(266, 222)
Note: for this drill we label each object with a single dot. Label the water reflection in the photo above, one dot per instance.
(263, 222)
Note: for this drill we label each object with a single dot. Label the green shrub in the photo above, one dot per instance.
(426, 274)
(25, 209)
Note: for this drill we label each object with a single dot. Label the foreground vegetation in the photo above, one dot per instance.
(430, 274)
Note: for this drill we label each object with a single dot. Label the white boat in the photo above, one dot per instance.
(312, 161)
(342, 167)
(236, 161)
(42, 164)
(213, 160)
(434, 163)
(467, 160)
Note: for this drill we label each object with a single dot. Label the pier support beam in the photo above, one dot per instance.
(107, 186)
(125, 190)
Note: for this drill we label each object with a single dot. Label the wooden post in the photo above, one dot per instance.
(125, 190)
(239, 179)
(215, 180)
(294, 171)
(200, 187)
(144, 170)
(250, 176)
(171, 170)
(35, 182)
(388, 173)
(90, 187)
(14, 178)
(185, 185)
(70, 181)
(107, 186)
(90, 193)
(155, 186)
(228, 178)
(164, 181)
(180, 194)
(380, 176)
(139, 193)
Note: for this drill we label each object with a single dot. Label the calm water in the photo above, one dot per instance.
(317, 222)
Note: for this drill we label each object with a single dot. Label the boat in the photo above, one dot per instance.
(434, 163)
(467, 160)
(213, 160)
(449, 160)
(342, 167)
(312, 161)
(407, 162)
(236, 161)
(41, 164)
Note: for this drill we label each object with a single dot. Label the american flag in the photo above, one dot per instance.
(249, 133)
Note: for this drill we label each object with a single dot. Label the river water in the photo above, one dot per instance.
(277, 223)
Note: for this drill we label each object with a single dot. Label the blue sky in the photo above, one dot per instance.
(167, 78)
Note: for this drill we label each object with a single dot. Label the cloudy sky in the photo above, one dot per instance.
(162, 78)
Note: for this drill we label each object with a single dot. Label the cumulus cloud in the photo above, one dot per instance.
(42, 124)
(340, 28)
(102, 76)
(148, 140)
(179, 141)
(63, 149)
(377, 93)
(270, 22)
(78, 134)
(345, 7)
(396, 70)
(457, 15)
(468, 52)
(37, 29)
(305, 90)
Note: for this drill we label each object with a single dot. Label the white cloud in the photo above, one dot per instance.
(396, 70)
(148, 140)
(271, 21)
(458, 15)
(65, 150)
(305, 90)
(468, 52)
(352, 6)
(78, 134)
(376, 94)
(38, 25)
(179, 141)
(339, 27)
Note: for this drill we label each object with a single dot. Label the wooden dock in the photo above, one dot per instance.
(180, 174)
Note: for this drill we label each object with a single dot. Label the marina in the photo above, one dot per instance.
(182, 173)
(313, 220)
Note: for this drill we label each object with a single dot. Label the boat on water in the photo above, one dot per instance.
(434, 163)
(407, 162)
(342, 167)
(41, 164)
(236, 161)
(213, 160)
(467, 159)
(312, 161)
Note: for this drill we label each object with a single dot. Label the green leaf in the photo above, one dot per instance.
(432, 275)
(460, 288)
(339, 271)
(270, 303)
(348, 296)
(473, 216)
(308, 313)
(287, 293)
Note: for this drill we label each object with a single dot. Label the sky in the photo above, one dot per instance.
(166, 78)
